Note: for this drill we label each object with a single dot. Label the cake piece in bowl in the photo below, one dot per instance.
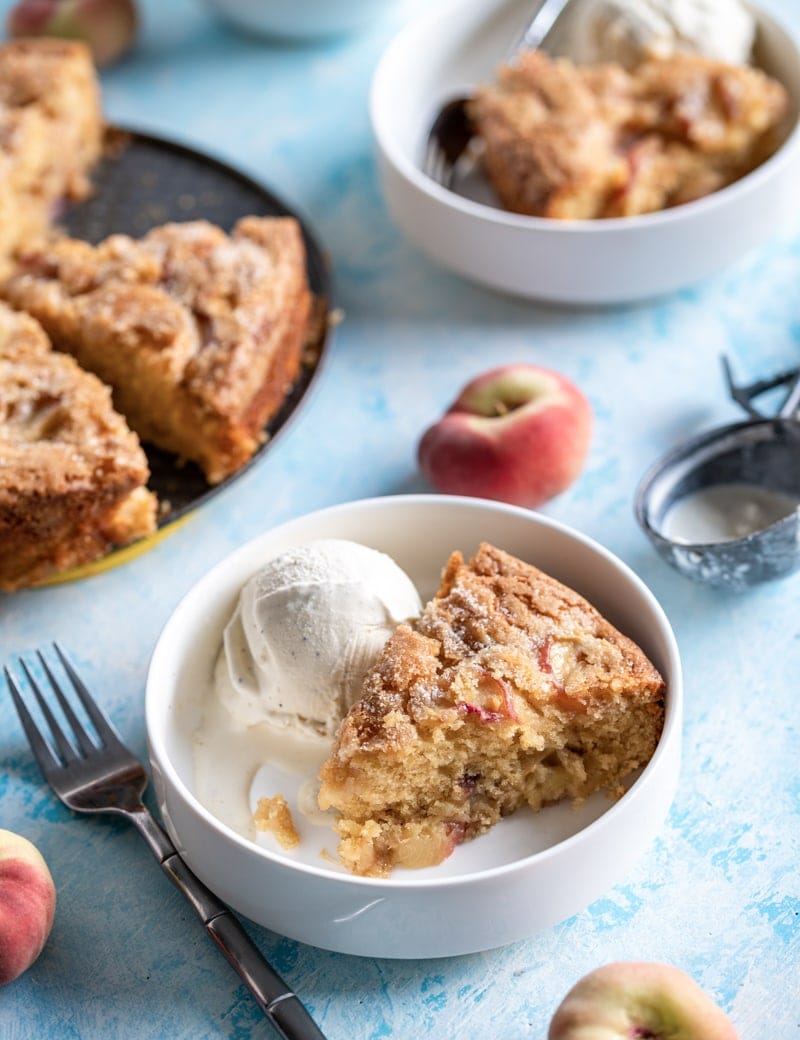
(199, 333)
(51, 134)
(509, 690)
(581, 142)
(72, 475)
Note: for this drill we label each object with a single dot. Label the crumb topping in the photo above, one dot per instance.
(569, 141)
(509, 689)
(72, 474)
(199, 333)
(50, 134)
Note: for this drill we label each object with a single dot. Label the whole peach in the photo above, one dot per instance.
(109, 27)
(27, 905)
(519, 434)
(639, 1000)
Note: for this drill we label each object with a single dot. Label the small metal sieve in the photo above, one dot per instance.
(751, 467)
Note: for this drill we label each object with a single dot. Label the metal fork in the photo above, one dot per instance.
(100, 775)
(452, 129)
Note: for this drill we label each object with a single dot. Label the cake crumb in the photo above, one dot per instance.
(273, 814)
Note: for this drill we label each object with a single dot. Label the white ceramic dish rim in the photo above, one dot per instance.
(672, 721)
(494, 215)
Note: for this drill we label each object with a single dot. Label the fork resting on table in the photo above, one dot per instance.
(100, 775)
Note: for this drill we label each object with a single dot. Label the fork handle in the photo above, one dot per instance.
(278, 1002)
(544, 18)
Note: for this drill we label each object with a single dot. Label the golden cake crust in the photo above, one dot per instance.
(509, 689)
(50, 134)
(200, 334)
(578, 142)
(72, 475)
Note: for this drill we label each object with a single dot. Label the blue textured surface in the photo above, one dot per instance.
(719, 893)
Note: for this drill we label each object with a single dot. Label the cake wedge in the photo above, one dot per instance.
(51, 134)
(576, 142)
(199, 333)
(510, 689)
(72, 475)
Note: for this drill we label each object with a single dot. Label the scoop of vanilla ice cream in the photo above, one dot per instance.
(305, 630)
(629, 31)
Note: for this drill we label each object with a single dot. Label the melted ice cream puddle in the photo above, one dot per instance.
(235, 765)
(305, 630)
(724, 513)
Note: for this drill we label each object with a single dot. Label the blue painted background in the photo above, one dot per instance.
(719, 893)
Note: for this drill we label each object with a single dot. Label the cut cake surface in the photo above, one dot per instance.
(510, 689)
(199, 333)
(72, 475)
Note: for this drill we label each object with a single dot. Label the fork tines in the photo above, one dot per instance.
(59, 750)
(448, 140)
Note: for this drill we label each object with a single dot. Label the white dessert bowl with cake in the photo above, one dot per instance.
(487, 230)
(527, 872)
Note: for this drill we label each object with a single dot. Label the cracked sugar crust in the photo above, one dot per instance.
(50, 134)
(581, 142)
(72, 474)
(510, 689)
(199, 333)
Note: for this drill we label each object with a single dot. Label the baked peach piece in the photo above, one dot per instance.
(50, 134)
(72, 475)
(509, 690)
(199, 333)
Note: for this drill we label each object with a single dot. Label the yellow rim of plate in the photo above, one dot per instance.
(118, 556)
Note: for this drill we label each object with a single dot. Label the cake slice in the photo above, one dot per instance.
(199, 333)
(50, 134)
(510, 689)
(72, 475)
(579, 142)
(550, 137)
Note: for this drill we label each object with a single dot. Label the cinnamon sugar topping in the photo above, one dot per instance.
(510, 689)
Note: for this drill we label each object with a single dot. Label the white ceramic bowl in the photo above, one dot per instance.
(443, 55)
(298, 19)
(529, 872)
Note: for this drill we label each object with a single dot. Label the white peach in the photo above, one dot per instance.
(518, 434)
(639, 1000)
(27, 905)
